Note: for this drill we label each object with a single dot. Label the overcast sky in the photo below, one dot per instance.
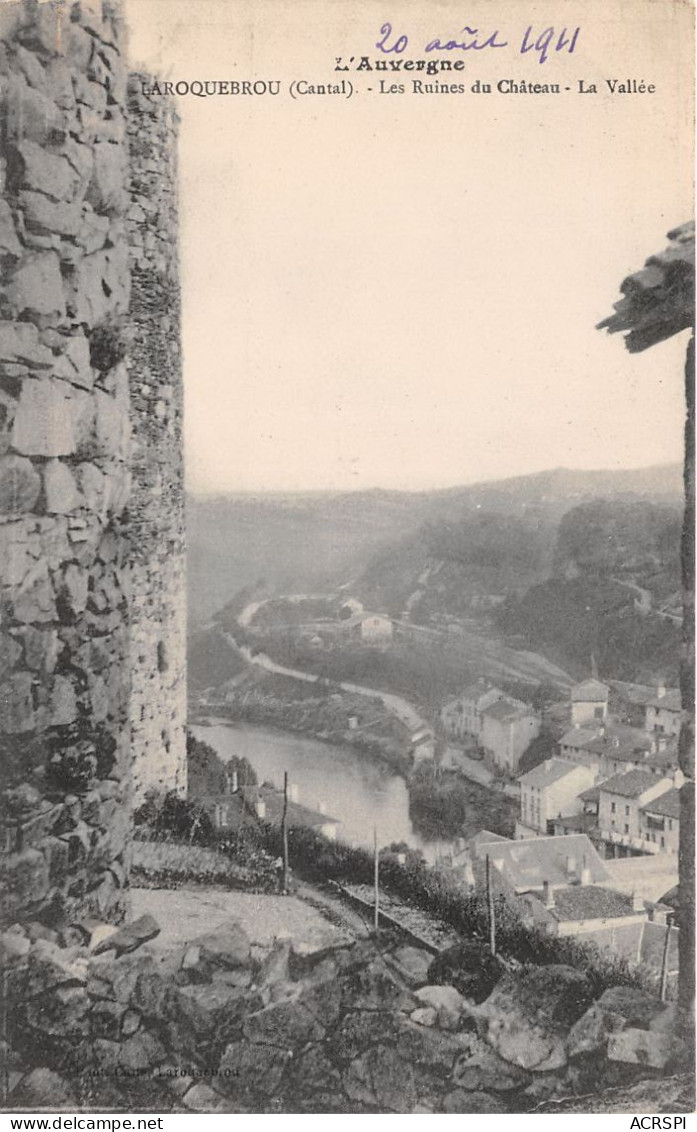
(402, 291)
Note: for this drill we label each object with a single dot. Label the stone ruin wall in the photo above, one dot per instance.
(158, 564)
(69, 520)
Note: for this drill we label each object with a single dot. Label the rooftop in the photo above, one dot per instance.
(590, 691)
(667, 805)
(671, 701)
(297, 814)
(505, 710)
(528, 863)
(591, 902)
(632, 784)
(634, 693)
(548, 772)
(475, 692)
(579, 823)
(590, 795)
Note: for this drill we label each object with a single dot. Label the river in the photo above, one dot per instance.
(354, 789)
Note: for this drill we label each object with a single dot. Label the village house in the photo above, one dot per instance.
(247, 806)
(507, 729)
(549, 790)
(529, 865)
(628, 702)
(587, 911)
(461, 717)
(612, 748)
(589, 701)
(621, 799)
(659, 821)
(663, 714)
(371, 629)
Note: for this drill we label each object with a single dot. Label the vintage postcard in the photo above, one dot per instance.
(346, 559)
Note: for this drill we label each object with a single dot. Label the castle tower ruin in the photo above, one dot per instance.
(86, 557)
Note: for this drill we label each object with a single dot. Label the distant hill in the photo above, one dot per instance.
(314, 541)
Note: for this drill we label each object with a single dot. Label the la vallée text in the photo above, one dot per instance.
(211, 88)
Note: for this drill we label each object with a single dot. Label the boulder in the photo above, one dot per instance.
(470, 967)
(359, 1030)
(424, 1016)
(228, 946)
(288, 1024)
(43, 1089)
(530, 1012)
(589, 1036)
(484, 1071)
(130, 936)
(13, 948)
(141, 1051)
(382, 1078)
(649, 1048)
(322, 942)
(64, 1013)
(200, 1008)
(636, 1006)
(447, 1003)
(201, 1098)
(412, 964)
(371, 986)
(248, 1071)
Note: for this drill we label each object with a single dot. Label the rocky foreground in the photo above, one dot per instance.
(223, 1025)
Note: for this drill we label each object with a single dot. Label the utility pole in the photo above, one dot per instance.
(491, 907)
(284, 833)
(376, 879)
(664, 964)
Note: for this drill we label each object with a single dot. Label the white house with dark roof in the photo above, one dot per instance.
(664, 713)
(461, 717)
(549, 790)
(507, 729)
(589, 701)
(621, 799)
(659, 822)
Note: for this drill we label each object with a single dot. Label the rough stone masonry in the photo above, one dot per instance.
(88, 565)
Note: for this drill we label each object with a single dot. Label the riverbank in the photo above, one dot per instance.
(319, 710)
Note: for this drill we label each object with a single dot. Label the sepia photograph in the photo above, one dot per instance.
(346, 559)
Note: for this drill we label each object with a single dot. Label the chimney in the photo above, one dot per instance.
(571, 868)
(547, 894)
(260, 807)
(293, 792)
